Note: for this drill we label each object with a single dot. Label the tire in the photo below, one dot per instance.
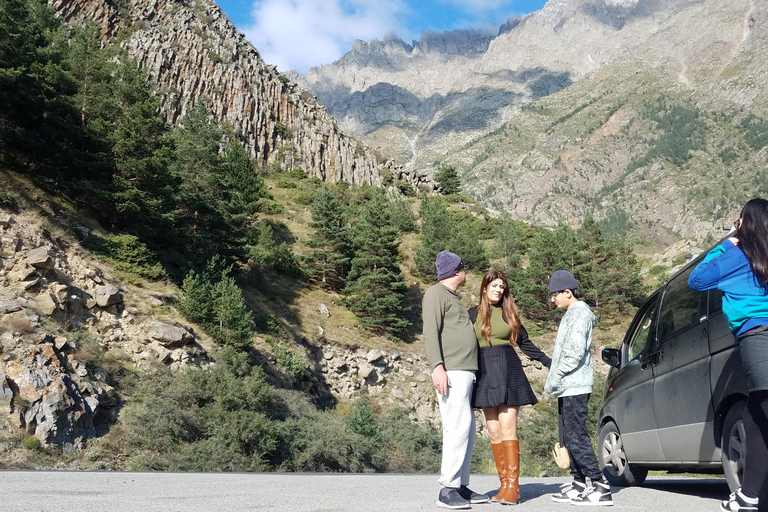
(734, 445)
(616, 467)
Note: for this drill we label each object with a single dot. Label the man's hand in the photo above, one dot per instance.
(440, 378)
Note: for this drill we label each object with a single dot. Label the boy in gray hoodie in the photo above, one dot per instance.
(570, 379)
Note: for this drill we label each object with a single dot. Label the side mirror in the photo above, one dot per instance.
(612, 357)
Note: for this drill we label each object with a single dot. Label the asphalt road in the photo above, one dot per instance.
(45, 491)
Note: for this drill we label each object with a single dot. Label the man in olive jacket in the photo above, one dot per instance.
(452, 355)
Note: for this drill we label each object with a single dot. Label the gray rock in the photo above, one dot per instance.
(365, 371)
(169, 335)
(94, 276)
(107, 295)
(46, 304)
(9, 307)
(40, 257)
(396, 393)
(374, 355)
(28, 285)
(324, 311)
(5, 220)
(320, 331)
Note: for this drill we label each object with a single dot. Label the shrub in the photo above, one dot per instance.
(294, 364)
(271, 207)
(128, 254)
(297, 173)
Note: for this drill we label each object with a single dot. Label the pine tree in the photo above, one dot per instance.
(466, 243)
(510, 242)
(448, 179)
(375, 285)
(202, 222)
(438, 228)
(232, 319)
(329, 261)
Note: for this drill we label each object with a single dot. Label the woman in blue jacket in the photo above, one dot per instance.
(739, 268)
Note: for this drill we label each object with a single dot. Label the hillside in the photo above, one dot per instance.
(649, 114)
(170, 302)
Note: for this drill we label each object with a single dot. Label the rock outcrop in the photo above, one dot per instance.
(191, 51)
(48, 384)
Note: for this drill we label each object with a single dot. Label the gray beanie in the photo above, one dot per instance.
(447, 264)
(562, 280)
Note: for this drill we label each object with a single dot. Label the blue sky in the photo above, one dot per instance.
(298, 34)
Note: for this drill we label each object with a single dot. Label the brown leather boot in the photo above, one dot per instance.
(501, 468)
(511, 451)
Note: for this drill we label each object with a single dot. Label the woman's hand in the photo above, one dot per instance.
(733, 240)
(440, 378)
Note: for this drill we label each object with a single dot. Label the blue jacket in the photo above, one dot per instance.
(726, 268)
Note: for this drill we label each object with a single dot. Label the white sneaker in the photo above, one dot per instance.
(595, 494)
(568, 491)
(737, 502)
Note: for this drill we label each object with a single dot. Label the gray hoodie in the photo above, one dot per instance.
(571, 370)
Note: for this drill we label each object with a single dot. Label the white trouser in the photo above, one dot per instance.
(458, 428)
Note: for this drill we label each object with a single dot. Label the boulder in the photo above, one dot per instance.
(9, 307)
(324, 311)
(169, 335)
(5, 220)
(45, 304)
(107, 296)
(374, 355)
(40, 257)
(94, 276)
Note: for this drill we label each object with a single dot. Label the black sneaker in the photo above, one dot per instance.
(737, 502)
(568, 491)
(595, 493)
(472, 496)
(450, 498)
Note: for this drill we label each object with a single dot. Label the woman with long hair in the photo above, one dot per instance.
(739, 268)
(502, 386)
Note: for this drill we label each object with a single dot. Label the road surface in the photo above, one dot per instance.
(48, 491)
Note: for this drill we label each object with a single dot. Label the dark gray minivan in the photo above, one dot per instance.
(676, 391)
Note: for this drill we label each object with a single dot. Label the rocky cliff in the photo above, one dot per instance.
(191, 51)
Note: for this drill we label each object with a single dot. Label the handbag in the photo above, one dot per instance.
(560, 454)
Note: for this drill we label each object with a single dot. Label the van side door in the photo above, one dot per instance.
(629, 397)
(682, 400)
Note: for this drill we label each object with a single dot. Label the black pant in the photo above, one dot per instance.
(756, 430)
(572, 413)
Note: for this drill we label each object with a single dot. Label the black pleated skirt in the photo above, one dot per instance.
(500, 379)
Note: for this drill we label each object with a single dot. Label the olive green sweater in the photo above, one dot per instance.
(448, 333)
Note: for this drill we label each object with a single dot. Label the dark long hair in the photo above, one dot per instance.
(508, 307)
(753, 237)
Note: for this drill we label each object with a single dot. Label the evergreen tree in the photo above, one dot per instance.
(36, 109)
(510, 242)
(448, 179)
(232, 318)
(466, 243)
(375, 285)
(202, 221)
(437, 230)
(329, 261)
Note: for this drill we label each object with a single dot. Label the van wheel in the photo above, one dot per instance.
(734, 445)
(616, 468)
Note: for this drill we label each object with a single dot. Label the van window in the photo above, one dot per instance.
(681, 307)
(715, 302)
(645, 331)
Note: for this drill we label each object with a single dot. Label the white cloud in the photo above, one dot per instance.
(297, 34)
